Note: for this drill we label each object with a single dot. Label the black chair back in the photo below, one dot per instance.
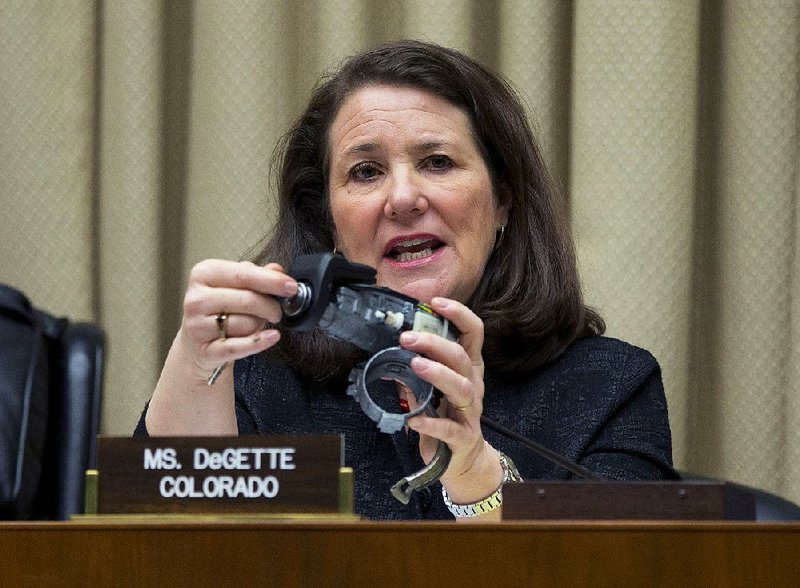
(51, 381)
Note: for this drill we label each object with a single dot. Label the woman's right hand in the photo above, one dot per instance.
(183, 403)
(244, 292)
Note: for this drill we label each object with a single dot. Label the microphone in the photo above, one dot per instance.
(541, 450)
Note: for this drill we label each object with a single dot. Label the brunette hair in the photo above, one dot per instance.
(529, 297)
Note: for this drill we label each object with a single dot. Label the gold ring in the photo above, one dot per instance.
(466, 407)
(222, 319)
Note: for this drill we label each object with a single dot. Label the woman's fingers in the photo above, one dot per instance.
(464, 397)
(208, 328)
(438, 349)
(454, 368)
(243, 275)
(448, 370)
(240, 274)
(233, 348)
(446, 430)
(468, 324)
(236, 288)
(207, 301)
(246, 295)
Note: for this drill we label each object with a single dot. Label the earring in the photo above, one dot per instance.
(498, 237)
(335, 251)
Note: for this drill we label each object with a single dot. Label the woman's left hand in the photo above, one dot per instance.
(456, 369)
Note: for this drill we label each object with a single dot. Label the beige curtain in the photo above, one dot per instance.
(135, 140)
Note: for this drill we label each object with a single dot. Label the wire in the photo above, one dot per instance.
(542, 451)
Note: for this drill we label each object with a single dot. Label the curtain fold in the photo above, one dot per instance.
(632, 167)
(535, 51)
(136, 139)
(240, 105)
(790, 472)
(130, 194)
(47, 105)
(754, 207)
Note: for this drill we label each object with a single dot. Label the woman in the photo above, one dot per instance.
(415, 160)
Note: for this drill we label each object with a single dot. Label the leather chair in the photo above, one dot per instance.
(49, 411)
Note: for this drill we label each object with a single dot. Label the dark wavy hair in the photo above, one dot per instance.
(529, 297)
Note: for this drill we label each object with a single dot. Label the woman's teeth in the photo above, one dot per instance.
(410, 256)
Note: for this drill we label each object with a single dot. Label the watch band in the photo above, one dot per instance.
(491, 502)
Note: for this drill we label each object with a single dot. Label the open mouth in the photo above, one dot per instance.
(413, 249)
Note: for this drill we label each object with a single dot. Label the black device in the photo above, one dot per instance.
(341, 299)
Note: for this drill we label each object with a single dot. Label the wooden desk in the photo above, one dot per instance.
(274, 553)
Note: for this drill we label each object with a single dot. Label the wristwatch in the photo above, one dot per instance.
(491, 502)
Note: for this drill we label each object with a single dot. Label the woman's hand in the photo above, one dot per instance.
(183, 403)
(245, 293)
(456, 369)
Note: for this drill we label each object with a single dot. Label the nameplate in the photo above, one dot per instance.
(608, 500)
(246, 474)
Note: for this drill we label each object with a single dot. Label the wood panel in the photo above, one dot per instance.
(290, 553)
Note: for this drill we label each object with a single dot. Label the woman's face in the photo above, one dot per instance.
(410, 193)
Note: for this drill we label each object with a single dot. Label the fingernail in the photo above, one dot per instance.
(408, 337)
(439, 302)
(289, 288)
(420, 363)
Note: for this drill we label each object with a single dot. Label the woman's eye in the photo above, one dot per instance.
(364, 172)
(439, 162)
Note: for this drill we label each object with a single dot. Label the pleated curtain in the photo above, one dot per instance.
(135, 140)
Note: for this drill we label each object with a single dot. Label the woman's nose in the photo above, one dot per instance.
(405, 196)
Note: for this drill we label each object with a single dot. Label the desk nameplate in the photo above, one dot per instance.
(626, 500)
(215, 475)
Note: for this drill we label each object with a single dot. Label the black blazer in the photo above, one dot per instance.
(601, 404)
